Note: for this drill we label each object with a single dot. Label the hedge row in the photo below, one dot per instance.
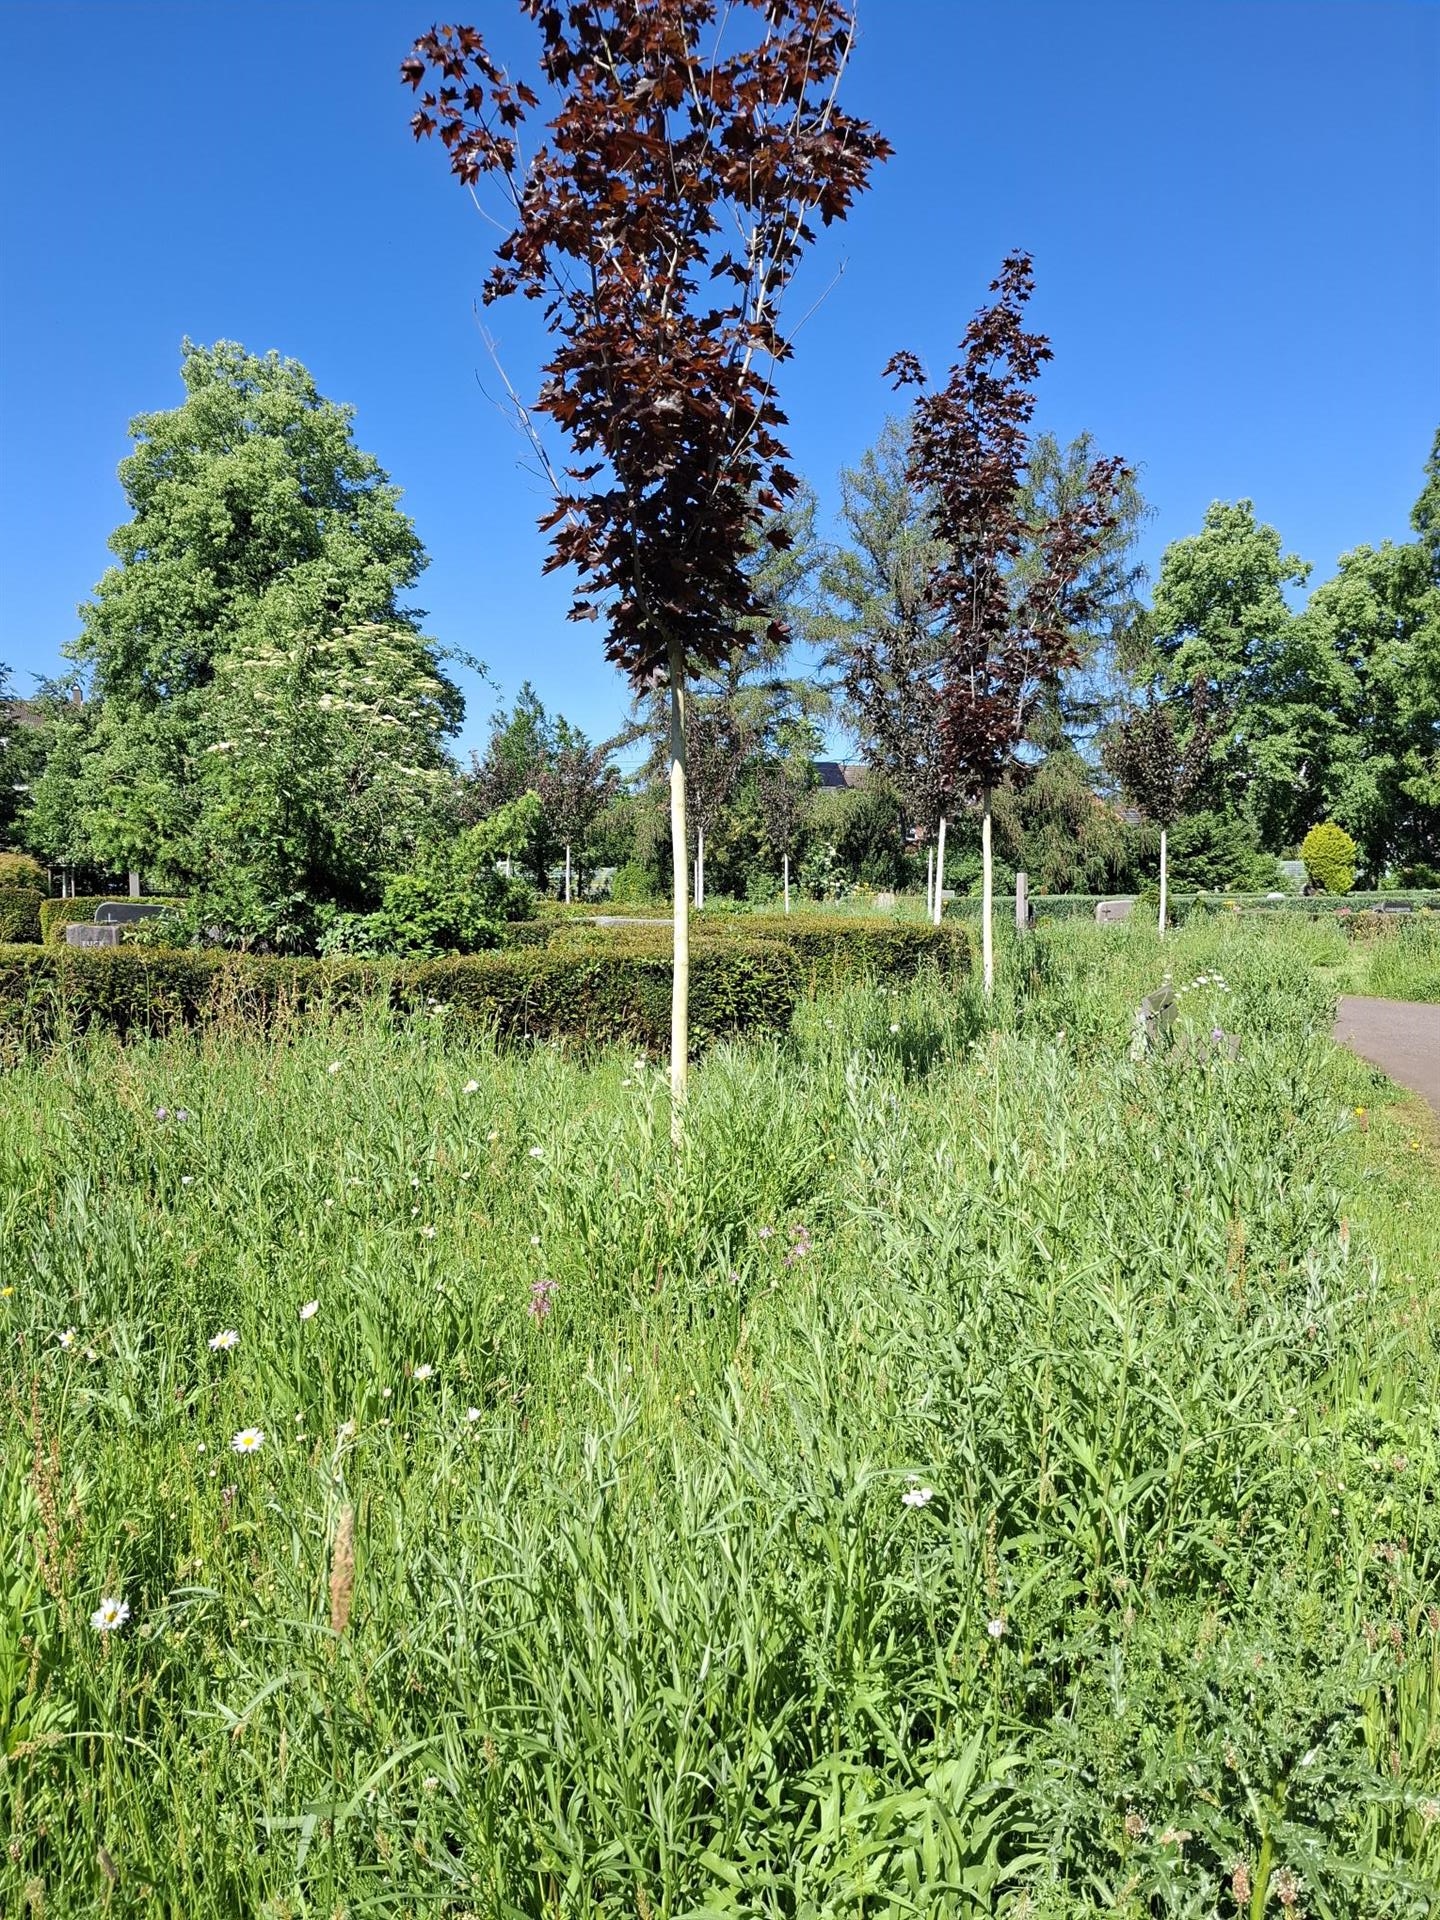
(829, 950)
(1073, 906)
(20, 909)
(576, 993)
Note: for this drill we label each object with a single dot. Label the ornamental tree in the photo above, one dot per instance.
(1017, 579)
(1160, 766)
(661, 222)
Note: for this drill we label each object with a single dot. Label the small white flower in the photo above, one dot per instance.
(248, 1440)
(471, 1086)
(427, 1233)
(109, 1615)
(385, 1393)
(346, 1430)
(537, 1153)
(200, 1448)
(309, 1310)
(918, 1496)
(67, 1338)
(187, 1179)
(334, 1067)
(894, 1026)
(472, 1414)
(534, 1239)
(998, 1627)
(423, 1372)
(223, 1342)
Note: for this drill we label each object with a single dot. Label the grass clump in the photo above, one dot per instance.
(985, 1473)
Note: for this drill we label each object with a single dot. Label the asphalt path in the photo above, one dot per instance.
(1401, 1037)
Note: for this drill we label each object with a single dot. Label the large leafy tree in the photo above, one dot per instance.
(661, 222)
(255, 616)
(1020, 576)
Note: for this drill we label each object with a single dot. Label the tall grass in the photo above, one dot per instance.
(986, 1473)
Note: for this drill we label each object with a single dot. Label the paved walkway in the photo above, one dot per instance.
(1401, 1037)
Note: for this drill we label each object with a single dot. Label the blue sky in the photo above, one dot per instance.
(1234, 209)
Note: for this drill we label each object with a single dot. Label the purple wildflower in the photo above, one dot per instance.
(542, 1298)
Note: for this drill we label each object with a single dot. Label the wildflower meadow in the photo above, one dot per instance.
(979, 1472)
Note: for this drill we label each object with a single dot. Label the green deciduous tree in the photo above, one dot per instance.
(254, 616)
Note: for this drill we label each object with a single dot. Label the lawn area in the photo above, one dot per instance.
(983, 1473)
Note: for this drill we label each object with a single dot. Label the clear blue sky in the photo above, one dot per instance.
(1233, 208)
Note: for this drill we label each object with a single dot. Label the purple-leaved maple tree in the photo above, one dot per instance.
(661, 219)
(1012, 592)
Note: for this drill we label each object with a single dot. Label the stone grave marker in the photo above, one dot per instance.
(1110, 913)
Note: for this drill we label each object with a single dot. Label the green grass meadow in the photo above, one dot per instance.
(982, 1473)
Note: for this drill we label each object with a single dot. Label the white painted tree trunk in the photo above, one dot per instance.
(987, 899)
(680, 985)
(929, 881)
(700, 868)
(1164, 877)
(567, 873)
(787, 883)
(939, 906)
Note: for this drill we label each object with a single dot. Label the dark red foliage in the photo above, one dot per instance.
(661, 222)
(1010, 592)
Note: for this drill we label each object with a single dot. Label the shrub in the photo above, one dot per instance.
(565, 993)
(1329, 856)
(831, 950)
(20, 912)
(21, 870)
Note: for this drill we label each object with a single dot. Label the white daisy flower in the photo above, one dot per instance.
(472, 1414)
(423, 1372)
(109, 1615)
(537, 1153)
(223, 1342)
(67, 1338)
(471, 1086)
(309, 1310)
(248, 1440)
(918, 1496)
(334, 1067)
(998, 1627)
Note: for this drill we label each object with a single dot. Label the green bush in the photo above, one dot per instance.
(20, 912)
(21, 870)
(1329, 856)
(566, 993)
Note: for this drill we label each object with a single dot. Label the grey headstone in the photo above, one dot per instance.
(1110, 913)
(125, 913)
(884, 903)
(83, 933)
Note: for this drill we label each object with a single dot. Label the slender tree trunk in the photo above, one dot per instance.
(787, 883)
(680, 988)
(987, 898)
(700, 868)
(1164, 877)
(929, 881)
(567, 873)
(939, 907)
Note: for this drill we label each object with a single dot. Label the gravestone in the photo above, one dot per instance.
(1111, 913)
(1154, 1019)
(126, 913)
(884, 903)
(86, 933)
(1024, 910)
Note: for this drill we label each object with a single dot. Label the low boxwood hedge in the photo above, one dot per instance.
(830, 950)
(20, 909)
(571, 993)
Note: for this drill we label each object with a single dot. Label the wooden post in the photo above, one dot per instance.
(987, 900)
(1164, 876)
(680, 987)
(1022, 903)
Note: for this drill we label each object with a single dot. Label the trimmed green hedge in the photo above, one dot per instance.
(830, 950)
(56, 915)
(571, 993)
(20, 910)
